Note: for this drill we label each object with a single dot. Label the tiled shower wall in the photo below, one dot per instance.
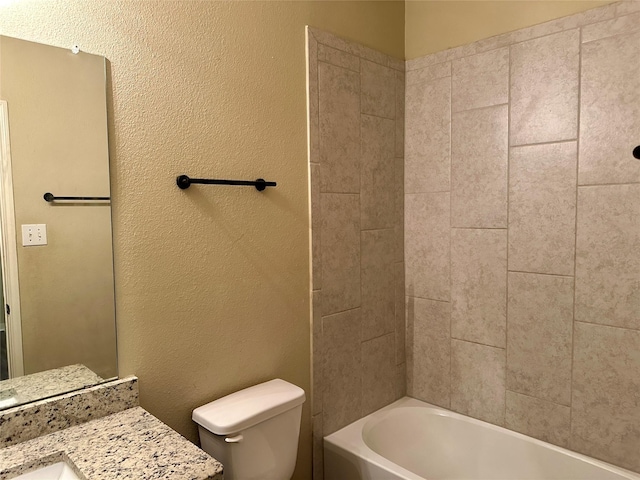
(356, 122)
(522, 231)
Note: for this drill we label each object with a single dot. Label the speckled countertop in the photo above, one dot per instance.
(131, 444)
(45, 384)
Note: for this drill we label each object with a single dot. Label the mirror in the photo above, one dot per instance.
(58, 329)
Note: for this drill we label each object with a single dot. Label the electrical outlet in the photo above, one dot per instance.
(35, 234)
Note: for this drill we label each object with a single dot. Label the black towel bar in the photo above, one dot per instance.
(183, 181)
(50, 197)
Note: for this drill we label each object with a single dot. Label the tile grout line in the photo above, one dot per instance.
(608, 36)
(429, 299)
(408, 347)
(607, 184)
(430, 80)
(339, 193)
(377, 337)
(400, 87)
(551, 142)
(628, 329)
(338, 66)
(377, 116)
(541, 273)
(506, 310)
(478, 228)
(382, 229)
(428, 193)
(318, 179)
(394, 240)
(339, 313)
(575, 241)
(538, 398)
(360, 342)
(450, 232)
(475, 109)
(357, 55)
(478, 343)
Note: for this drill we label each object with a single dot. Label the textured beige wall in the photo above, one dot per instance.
(58, 126)
(211, 283)
(432, 26)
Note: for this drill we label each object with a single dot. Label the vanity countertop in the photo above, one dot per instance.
(29, 388)
(131, 444)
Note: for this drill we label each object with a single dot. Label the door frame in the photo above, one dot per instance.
(9, 250)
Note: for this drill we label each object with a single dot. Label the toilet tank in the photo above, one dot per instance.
(253, 432)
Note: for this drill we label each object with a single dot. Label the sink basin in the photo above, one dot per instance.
(57, 471)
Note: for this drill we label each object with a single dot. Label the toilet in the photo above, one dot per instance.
(254, 432)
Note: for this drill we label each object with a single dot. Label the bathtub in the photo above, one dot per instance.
(412, 440)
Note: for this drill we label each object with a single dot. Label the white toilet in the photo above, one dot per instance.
(254, 432)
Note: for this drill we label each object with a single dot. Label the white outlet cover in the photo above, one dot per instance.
(34, 234)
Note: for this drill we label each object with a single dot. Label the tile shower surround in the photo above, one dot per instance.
(356, 113)
(521, 231)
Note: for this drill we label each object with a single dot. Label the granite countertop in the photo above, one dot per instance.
(32, 387)
(131, 444)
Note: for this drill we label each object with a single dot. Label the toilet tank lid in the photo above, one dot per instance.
(246, 408)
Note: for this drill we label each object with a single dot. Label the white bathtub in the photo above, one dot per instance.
(412, 440)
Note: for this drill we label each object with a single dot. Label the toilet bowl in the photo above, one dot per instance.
(254, 432)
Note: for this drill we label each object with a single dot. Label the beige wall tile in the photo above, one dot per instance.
(398, 219)
(400, 324)
(609, 113)
(627, 6)
(429, 74)
(340, 240)
(409, 312)
(400, 97)
(537, 418)
(341, 370)
(378, 90)
(339, 117)
(312, 99)
(318, 448)
(377, 175)
(316, 227)
(547, 28)
(480, 80)
(338, 58)
(441, 56)
(375, 56)
(606, 393)
(479, 285)
(396, 63)
(401, 380)
(607, 259)
(428, 341)
(317, 352)
(398, 231)
(544, 89)
(479, 168)
(539, 336)
(378, 283)
(354, 48)
(427, 137)
(334, 41)
(426, 242)
(477, 381)
(378, 373)
(542, 208)
(616, 26)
